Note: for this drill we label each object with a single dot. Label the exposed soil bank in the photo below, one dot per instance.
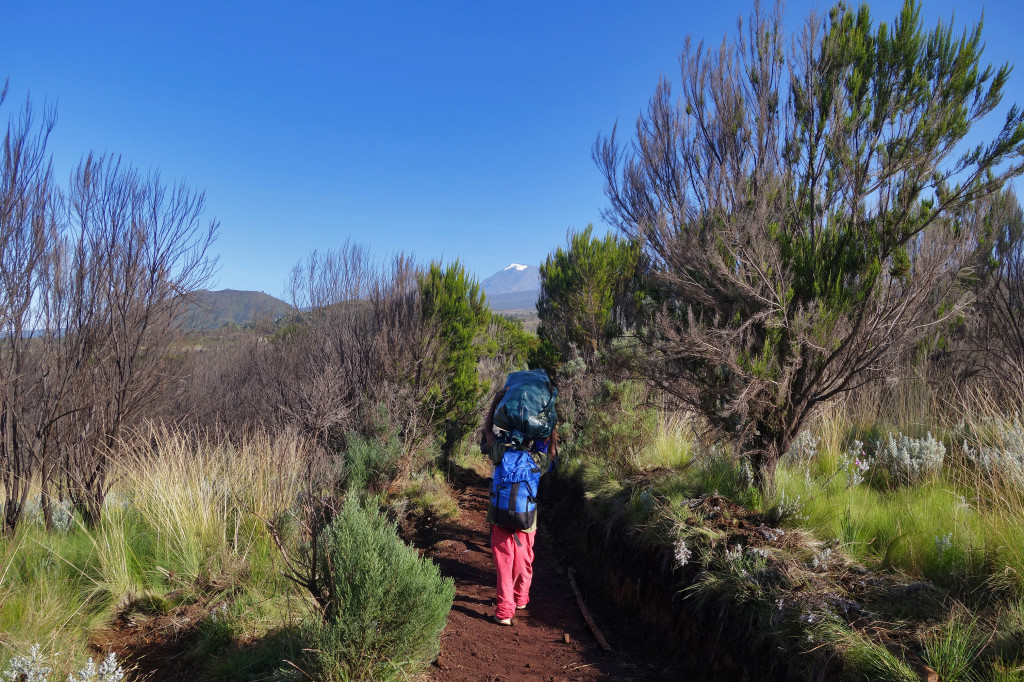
(549, 639)
(643, 588)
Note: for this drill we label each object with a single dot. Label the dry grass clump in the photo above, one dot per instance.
(187, 515)
(207, 500)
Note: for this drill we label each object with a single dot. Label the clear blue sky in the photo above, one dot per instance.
(439, 128)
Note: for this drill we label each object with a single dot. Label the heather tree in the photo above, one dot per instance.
(455, 304)
(807, 208)
(586, 291)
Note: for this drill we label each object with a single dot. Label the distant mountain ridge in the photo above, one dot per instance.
(214, 309)
(514, 288)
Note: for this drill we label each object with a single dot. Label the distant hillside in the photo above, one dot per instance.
(516, 300)
(217, 308)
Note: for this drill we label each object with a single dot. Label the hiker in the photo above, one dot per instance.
(512, 548)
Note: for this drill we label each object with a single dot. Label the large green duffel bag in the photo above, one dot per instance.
(527, 410)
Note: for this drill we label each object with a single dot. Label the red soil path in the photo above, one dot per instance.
(549, 639)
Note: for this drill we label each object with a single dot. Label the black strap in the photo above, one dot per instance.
(515, 536)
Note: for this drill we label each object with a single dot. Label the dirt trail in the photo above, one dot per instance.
(473, 647)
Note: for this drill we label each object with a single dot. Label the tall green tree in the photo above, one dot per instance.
(586, 290)
(806, 210)
(453, 301)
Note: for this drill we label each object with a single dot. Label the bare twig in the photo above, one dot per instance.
(586, 614)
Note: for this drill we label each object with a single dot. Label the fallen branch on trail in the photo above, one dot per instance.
(586, 614)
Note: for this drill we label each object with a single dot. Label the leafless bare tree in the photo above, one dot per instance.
(996, 332)
(96, 281)
(27, 237)
(137, 251)
(358, 356)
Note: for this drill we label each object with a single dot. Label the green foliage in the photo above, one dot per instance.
(455, 302)
(544, 355)
(507, 340)
(585, 290)
(954, 650)
(617, 427)
(388, 605)
(870, 660)
(370, 464)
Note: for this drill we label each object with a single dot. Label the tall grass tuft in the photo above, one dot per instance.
(205, 501)
(954, 649)
(182, 507)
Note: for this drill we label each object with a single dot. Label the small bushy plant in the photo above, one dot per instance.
(33, 668)
(107, 671)
(1000, 453)
(387, 605)
(370, 464)
(902, 460)
(804, 447)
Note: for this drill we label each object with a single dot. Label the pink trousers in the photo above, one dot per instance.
(514, 564)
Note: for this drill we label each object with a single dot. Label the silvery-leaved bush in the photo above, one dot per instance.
(758, 552)
(943, 544)
(909, 460)
(734, 554)
(821, 560)
(61, 514)
(804, 447)
(746, 474)
(219, 614)
(1003, 454)
(682, 553)
(790, 507)
(108, 671)
(31, 668)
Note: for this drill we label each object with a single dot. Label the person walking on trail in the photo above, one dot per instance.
(512, 547)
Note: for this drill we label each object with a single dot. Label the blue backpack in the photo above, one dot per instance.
(514, 490)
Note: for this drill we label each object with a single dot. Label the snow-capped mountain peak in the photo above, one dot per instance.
(513, 288)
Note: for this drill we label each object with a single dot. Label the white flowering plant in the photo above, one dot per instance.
(33, 668)
(804, 447)
(902, 460)
(1000, 453)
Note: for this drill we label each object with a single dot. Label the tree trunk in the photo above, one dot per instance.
(763, 463)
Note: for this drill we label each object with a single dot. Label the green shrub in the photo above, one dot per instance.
(619, 426)
(387, 605)
(370, 464)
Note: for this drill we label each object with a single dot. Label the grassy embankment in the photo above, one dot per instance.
(888, 577)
